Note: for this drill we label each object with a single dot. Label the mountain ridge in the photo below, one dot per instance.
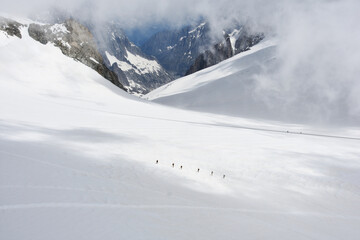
(177, 49)
(142, 73)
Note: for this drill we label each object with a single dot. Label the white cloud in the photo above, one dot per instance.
(319, 50)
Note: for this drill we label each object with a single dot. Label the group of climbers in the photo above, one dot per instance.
(181, 167)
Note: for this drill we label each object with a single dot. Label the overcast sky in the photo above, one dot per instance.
(140, 12)
(318, 51)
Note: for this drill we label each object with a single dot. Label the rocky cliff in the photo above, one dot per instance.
(10, 27)
(138, 72)
(177, 50)
(235, 42)
(76, 41)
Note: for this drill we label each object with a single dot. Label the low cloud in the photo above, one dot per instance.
(317, 71)
(317, 76)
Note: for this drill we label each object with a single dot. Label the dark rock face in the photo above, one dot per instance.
(177, 50)
(75, 41)
(12, 28)
(190, 49)
(38, 32)
(220, 52)
(138, 72)
(225, 50)
(246, 41)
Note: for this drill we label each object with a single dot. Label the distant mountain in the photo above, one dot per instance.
(191, 49)
(237, 41)
(105, 48)
(138, 72)
(140, 34)
(168, 54)
(176, 50)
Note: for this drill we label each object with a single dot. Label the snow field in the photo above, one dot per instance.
(77, 161)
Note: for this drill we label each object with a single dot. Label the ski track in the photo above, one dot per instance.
(182, 207)
(111, 191)
(223, 125)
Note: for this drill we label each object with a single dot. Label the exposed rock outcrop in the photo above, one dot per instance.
(226, 49)
(220, 52)
(76, 41)
(191, 48)
(138, 72)
(11, 27)
(245, 41)
(177, 50)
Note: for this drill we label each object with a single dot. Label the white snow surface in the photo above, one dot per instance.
(254, 84)
(94, 60)
(77, 161)
(4, 39)
(222, 70)
(139, 64)
(124, 66)
(142, 64)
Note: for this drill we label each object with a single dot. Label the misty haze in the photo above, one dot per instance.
(179, 119)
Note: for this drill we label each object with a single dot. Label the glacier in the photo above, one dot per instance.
(78, 161)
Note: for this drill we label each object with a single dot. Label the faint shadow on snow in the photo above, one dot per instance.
(314, 175)
(24, 132)
(71, 150)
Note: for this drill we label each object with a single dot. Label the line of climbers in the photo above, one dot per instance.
(181, 167)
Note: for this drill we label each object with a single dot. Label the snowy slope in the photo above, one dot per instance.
(221, 70)
(77, 161)
(223, 88)
(257, 84)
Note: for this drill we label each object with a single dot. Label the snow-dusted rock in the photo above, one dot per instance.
(76, 41)
(142, 73)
